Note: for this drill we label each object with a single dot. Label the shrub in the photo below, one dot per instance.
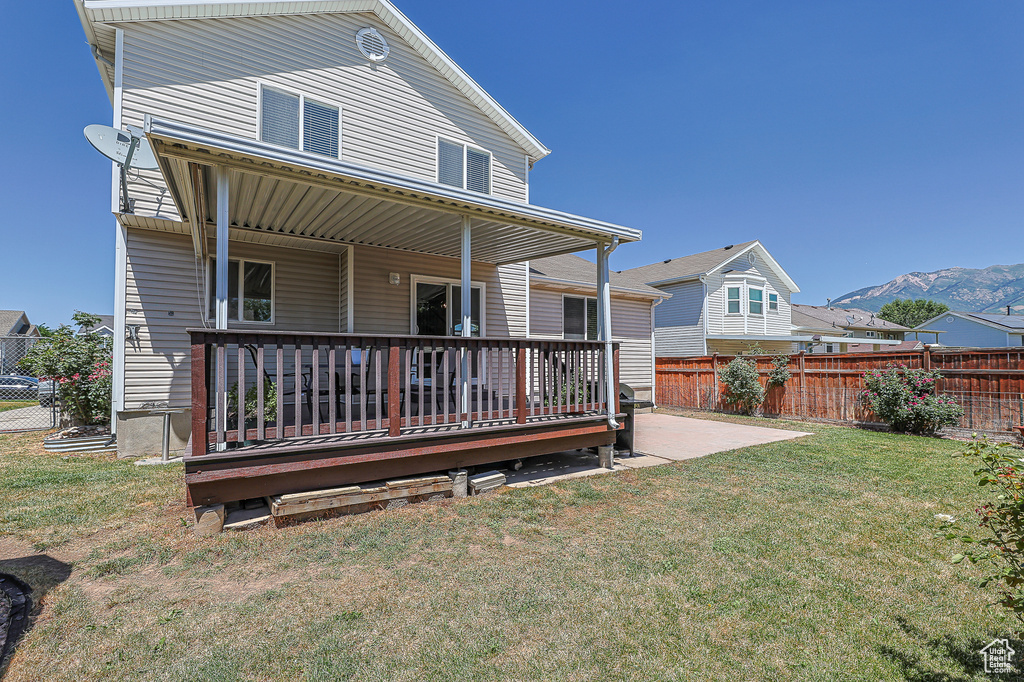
(779, 374)
(905, 399)
(251, 402)
(81, 367)
(742, 386)
(1002, 547)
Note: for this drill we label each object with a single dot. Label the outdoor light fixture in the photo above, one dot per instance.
(394, 278)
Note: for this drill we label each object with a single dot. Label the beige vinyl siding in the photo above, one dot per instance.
(383, 308)
(631, 327)
(162, 279)
(679, 321)
(207, 72)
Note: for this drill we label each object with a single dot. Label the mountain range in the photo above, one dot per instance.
(988, 290)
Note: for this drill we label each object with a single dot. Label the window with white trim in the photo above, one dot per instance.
(869, 335)
(733, 296)
(773, 302)
(579, 318)
(298, 122)
(755, 301)
(462, 166)
(250, 290)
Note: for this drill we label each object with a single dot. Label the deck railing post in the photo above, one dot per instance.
(615, 364)
(200, 406)
(394, 390)
(521, 384)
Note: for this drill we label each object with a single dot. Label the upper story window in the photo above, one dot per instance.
(755, 301)
(250, 290)
(869, 335)
(733, 295)
(295, 121)
(773, 302)
(463, 166)
(579, 318)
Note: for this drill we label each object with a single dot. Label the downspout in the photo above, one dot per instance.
(654, 354)
(704, 310)
(606, 332)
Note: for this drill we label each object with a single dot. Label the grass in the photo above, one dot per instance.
(814, 559)
(16, 404)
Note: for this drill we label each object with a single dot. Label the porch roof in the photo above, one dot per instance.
(285, 191)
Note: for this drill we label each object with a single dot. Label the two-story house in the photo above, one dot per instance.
(727, 301)
(329, 271)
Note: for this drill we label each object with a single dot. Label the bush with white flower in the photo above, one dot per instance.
(905, 399)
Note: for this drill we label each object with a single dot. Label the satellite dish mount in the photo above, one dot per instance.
(128, 149)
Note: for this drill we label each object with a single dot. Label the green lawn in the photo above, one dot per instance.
(16, 404)
(809, 560)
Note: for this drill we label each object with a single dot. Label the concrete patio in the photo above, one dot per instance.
(660, 439)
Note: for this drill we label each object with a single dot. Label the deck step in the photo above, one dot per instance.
(355, 499)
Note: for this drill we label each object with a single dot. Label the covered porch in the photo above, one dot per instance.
(277, 411)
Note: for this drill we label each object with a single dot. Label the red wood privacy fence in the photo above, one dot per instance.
(989, 384)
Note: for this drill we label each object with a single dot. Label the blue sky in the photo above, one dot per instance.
(856, 140)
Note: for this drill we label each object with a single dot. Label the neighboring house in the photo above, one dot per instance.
(976, 330)
(105, 326)
(17, 335)
(333, 184)
(563, 306)
(846, 330)
(727, 301)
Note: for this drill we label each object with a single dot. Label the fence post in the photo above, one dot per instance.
(803, 385)
(926, 357)
(713, 402)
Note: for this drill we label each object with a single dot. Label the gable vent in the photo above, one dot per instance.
(372, 44)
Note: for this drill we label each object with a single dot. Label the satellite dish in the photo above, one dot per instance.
(127, 148)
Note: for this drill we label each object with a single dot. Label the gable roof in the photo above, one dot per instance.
(571, 269)
(1012, 323)
(99, 18)
(819, 316)
(691, 267)
(105, 321)
(14, 322)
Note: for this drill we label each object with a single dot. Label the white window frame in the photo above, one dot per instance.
(211, 295)
(465, 163)
(738, 286)
(870, 335)
(562, 316)
(773, 295)
(426, 279)
(751, 301)
(260, 85)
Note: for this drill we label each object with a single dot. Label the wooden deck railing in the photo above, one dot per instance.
(274, 386)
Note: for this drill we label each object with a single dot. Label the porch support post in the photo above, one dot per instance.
(221, 317)
(604, 316)
(467, 310)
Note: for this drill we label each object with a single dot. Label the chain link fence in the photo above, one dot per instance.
(26, 403)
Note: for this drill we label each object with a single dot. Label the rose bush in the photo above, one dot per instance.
(80, 366)
(905, 399)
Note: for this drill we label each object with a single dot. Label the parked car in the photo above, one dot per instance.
(13, 387)
(47, 392)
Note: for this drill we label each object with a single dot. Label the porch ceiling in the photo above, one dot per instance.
(286, 192)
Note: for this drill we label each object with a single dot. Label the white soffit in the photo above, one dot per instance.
(96, 13)
(306, 195)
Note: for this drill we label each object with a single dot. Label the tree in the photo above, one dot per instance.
(911, 313)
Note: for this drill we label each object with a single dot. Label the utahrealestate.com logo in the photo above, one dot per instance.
(998, 656)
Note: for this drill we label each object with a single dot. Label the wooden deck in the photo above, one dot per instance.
(351, 409)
